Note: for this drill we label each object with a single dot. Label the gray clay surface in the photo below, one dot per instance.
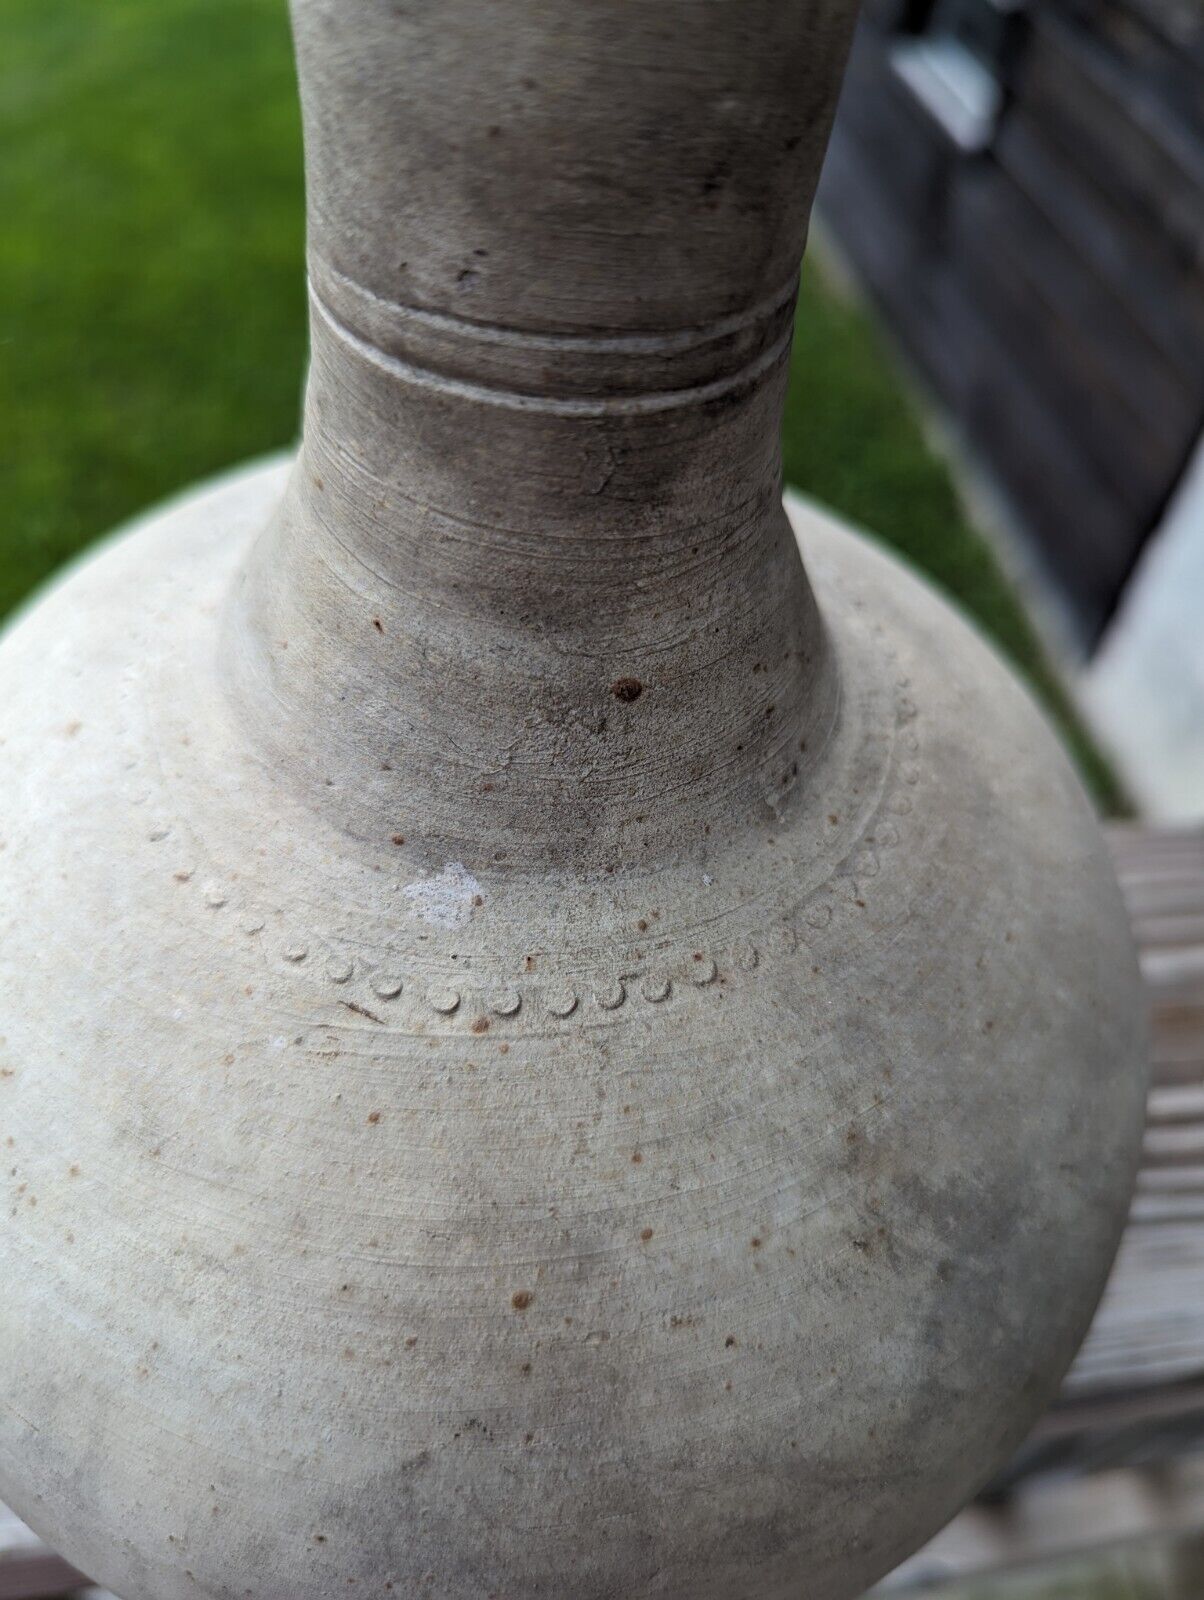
(548, 1046)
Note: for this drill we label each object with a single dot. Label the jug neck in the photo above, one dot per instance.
(532, 569)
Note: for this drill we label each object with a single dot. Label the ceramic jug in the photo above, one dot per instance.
(563, 1031)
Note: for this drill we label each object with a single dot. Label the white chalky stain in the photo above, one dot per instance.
(446, 900)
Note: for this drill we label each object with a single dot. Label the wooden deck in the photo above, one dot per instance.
(1117, 1455)
(1149, 1333)
(1044, 269)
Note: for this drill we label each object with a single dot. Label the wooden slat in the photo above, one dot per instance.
(1163, 296)
(1051, 288)
(1112, 125)
(1129, 412)
(897, 233)
(1149, 1331)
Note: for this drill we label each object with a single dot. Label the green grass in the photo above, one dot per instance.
(152, 305)
(152, 317)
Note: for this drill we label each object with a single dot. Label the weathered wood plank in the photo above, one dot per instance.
(982, 368)
(1128, 411)
(1110, 124)
(1163, 296)
(1050, 289)
(1149, 1331)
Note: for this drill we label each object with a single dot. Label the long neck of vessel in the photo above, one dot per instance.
(532, 571)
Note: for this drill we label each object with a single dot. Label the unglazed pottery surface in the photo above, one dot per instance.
(545, 1049)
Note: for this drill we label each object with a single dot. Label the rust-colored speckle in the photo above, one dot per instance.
(755, 1244)
(646, 1235)
(833, 818)
(503, 1049)
(411, 1341)
(378, 624)
(399, 838)
(627, 689)
(478, 900)
(521, 1299)
(481, 1025)
(525, 1369)
(374, 1116)
(529, 963)
(636, 1158)
(486, 788)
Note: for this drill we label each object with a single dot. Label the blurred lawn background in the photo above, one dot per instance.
(152, 315)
